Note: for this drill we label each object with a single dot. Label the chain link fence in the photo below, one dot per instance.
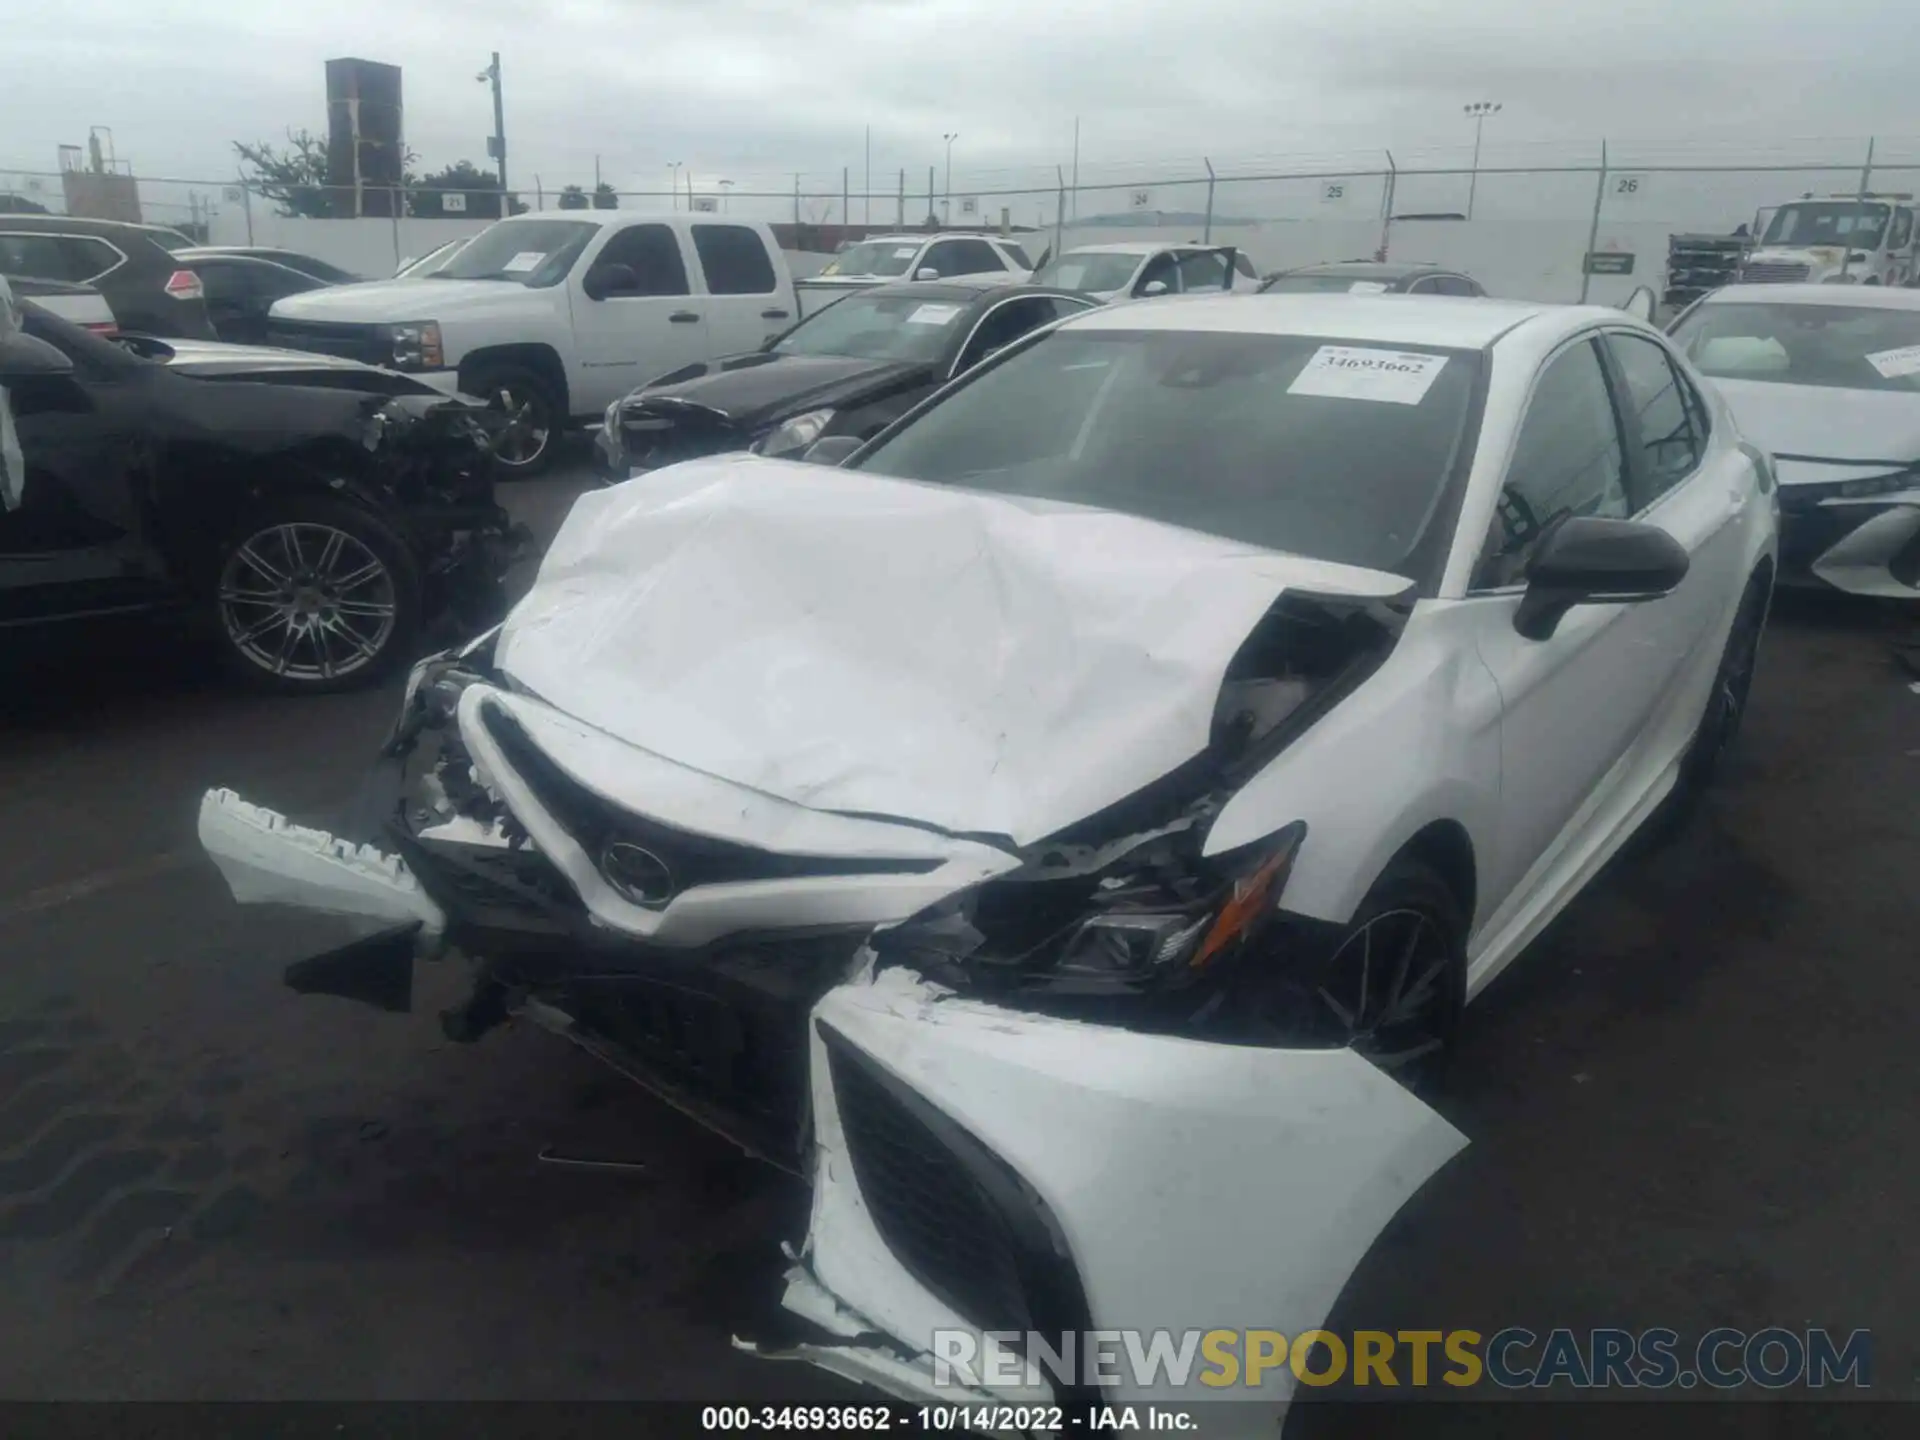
(1523, 224)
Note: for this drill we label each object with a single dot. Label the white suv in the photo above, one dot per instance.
(881, 259)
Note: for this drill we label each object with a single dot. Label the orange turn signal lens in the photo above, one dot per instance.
(1250, 899)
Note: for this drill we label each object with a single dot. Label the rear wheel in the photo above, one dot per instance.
(315, 595)
(534, 416)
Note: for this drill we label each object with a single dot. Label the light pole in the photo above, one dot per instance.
(497, 146)
(1478, 113)
(946, 202)
(725, 186)
(673, 181)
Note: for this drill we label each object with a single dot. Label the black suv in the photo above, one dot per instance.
(150, 291)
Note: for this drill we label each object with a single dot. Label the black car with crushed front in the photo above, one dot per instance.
(312, 516)
(850, 369)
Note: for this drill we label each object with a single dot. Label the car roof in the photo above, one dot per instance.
(921, 236)
(966, 288)
(1369, 269)
(1137, 247)
(80, 225)
(1445, 321)
(1877, 297)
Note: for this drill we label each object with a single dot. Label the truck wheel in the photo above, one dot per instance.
(315, 595)
(527, 447)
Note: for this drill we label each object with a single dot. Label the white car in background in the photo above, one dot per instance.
(1096, 854)
(880, 259)
(1142, 269)
(1827, 378)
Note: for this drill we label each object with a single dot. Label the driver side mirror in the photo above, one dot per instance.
(1154, 287)
(1584, 560)
(1641, 304)
(833, 450)
(926, 272)
(24, 357)
(607, 280)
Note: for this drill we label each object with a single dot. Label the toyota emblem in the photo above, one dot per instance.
(637, 873)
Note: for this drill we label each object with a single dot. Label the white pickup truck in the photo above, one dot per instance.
(559, 315)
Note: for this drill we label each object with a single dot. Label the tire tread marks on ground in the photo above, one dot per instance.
(83, 1168)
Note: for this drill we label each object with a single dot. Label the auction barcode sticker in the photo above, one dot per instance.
(1347, 372)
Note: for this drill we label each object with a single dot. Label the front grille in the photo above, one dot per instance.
(1772, 272)
(959, 1219)
(365, 343)
(692, 860)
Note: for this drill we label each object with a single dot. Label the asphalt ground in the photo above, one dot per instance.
(1691, 1104)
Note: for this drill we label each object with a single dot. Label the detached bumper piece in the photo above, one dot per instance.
(984, 1169)
(1862, 543)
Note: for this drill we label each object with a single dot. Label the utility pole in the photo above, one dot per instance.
(866, 206)
(497, 146)
(1478, 113)
(673, 181)
(1075, 192)
(946, 203)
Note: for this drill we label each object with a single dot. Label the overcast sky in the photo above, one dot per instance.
(757, 89)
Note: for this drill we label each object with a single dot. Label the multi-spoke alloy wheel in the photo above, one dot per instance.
(316, 595)
(1386, 989)
(307, 602)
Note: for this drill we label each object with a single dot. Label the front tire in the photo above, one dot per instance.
(535, 417)
(315, 595)
(1392, 986)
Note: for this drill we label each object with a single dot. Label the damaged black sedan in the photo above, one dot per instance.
(849, 370)
(313, 517)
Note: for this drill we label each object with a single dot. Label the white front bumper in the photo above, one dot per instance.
(1196, 1186)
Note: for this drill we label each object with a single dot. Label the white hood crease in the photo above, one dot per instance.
(1827, 424)
(847, 642)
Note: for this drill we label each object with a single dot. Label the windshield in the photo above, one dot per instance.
(876, 327)
(1324, 284)
(1330, 449)
(1083, 270)
(1844, 347)
(1827, 222)
(874, 257)
(536, 253)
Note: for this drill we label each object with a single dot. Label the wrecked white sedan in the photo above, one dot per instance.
(1070, 821)
(1827, 378)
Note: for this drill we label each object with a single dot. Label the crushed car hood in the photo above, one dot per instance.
(984, 665)
(749, 389)
(1849, 431)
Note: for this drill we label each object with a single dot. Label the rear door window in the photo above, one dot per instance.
(735, 260)
(75, 259)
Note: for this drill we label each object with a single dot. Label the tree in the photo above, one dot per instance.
(11, 204)
(295, 179)
(463, 177)
(572, 197)
(605, 197)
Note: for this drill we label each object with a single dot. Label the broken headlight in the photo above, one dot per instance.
(795, 435)
(1156, 913)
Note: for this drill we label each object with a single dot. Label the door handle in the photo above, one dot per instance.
(773, 314)
(683, 317)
